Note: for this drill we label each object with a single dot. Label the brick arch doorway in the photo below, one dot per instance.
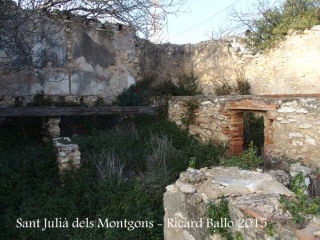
(236, 110)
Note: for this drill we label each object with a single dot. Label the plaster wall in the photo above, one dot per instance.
(79, 59)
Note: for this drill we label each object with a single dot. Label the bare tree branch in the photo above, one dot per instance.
(24, 27)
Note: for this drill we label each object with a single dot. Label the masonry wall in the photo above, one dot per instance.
(291, 125)
(83, 59)
(77, 59)
(290, 68)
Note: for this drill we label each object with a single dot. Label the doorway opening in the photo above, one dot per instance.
(250, 121)
(253, 131)
(248, 126)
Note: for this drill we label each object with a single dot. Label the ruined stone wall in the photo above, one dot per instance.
(84, 59)
(210, 61)
(290, 68)
(291, 124)
(253, 200)
(77, 59)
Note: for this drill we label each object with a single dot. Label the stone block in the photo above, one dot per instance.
(305, 125)
(295, 135)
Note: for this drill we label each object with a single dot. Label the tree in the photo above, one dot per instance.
(22, 28)
(269, 22)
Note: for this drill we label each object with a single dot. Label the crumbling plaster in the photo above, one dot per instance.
(78, 59)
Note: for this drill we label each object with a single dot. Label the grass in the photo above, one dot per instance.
(125, 169)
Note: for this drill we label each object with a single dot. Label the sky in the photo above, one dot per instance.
(203, 19)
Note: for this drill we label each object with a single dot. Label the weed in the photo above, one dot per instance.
(269, 229)
(302, 204)
(243, 87)
(192, 162)
(216, 212)
(99, 102)
(157, 172)
(140, 93)
(109, 166)
(190, 115)
(239, 236)
(41, 100)
(165, 88)
(223, 88)
(247, 160)
(188, 85)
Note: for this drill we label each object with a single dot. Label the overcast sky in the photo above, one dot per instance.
(205, 17)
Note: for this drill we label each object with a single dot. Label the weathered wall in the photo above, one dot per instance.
(291, 124)
(83, 60)
(253, 200)
(290, 68)
(77, 59)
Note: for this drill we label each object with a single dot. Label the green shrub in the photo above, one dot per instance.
(223, 89)
(243, 87)
(165, 88)
(140, 93)
(190, 116)
(275, 22)
(188, 85)
(99, 102)
(132, 97)
(247, 160)
(302, 204)
(216, 212)
(41, 100)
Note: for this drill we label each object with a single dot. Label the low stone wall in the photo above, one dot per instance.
(291, 124)
(68, 153)
(253, 200)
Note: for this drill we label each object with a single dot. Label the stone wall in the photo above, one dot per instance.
(291, 124)
(253, 201)
(290, 68)
(84, 59)
(78, 58)
(69, 155)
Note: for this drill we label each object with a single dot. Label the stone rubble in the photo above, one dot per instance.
(253, 199)
(50, 128)
(68, 153)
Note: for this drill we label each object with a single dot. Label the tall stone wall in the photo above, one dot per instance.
(291, 124)
(78, 58)
(84, 59)
(290, 68)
